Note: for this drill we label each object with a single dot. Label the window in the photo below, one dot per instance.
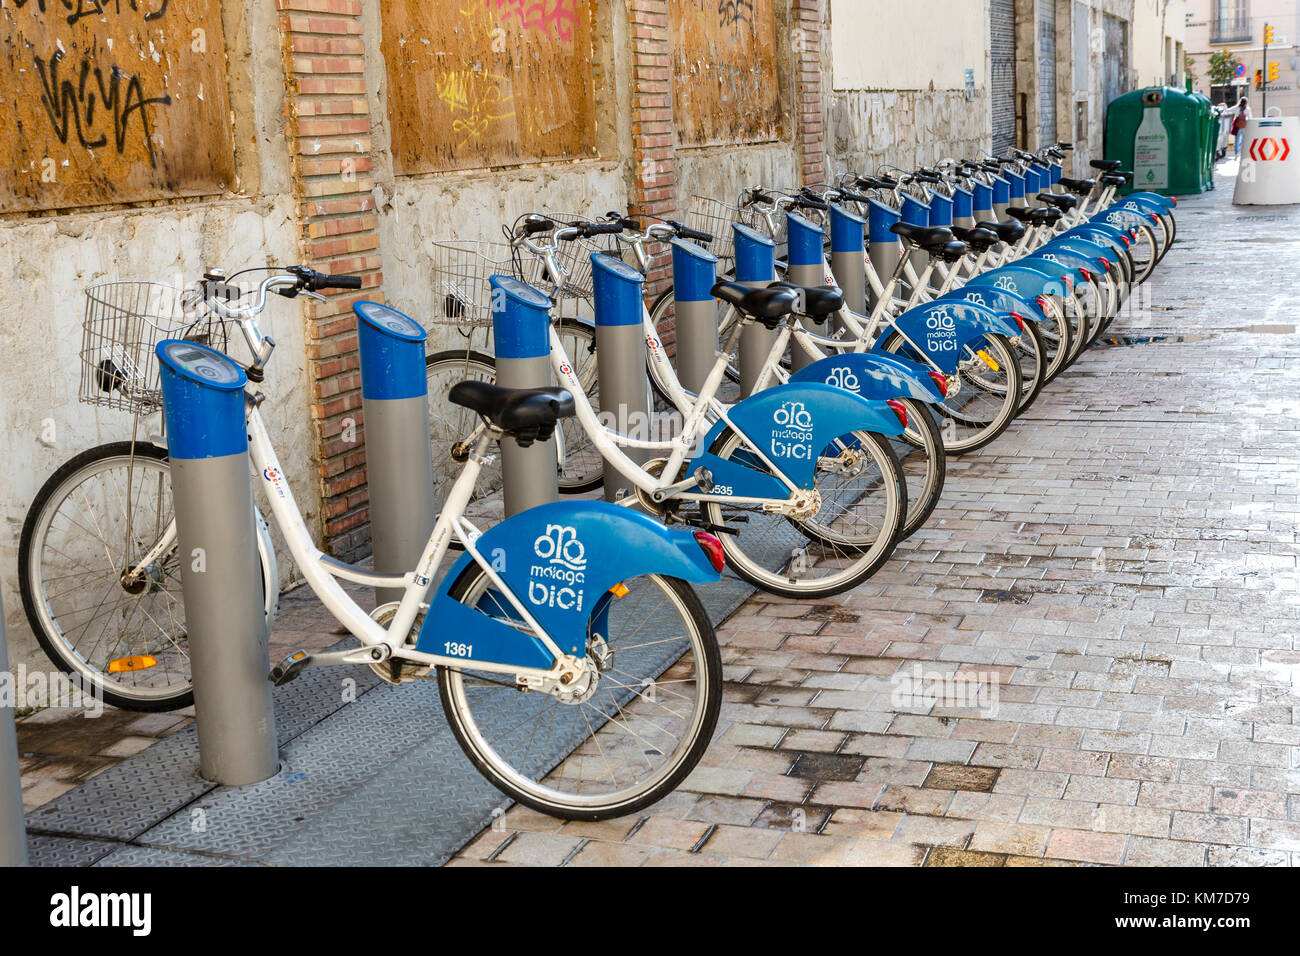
(1231, 22)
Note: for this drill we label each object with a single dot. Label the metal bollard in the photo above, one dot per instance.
(848, 246)
(207, 443)
(399, 460)
(695, 311)
(982, 203)
(883, 248)
(962, 207)
(620, 353)
(521, 331)
(806, 267)
(916, 213)
(1017, 182)
(1001, 197)
(755, 266)
(13, 832)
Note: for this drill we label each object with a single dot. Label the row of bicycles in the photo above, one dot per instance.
(865, 331)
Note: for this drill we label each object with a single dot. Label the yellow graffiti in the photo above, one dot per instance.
(482, 98)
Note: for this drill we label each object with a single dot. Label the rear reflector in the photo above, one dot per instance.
(940, 382)
(1020, 320)
(712, 549)
(899, 410)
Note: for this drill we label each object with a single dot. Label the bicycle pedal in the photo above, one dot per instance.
(289, 668)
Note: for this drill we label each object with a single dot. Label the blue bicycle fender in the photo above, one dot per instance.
(791, 423)
(1084, 247)
(1148, 201)
(1070, 257)
(999, 300)
(873, 376)
(942, 328)
(1029, 279)
(1111, 246)
(1121, 218)
(558, 560)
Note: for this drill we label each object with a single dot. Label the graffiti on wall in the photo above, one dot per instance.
(725, 85)
(112, 101)
(478, 83)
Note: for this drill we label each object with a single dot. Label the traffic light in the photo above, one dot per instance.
(1268, 34)
(1273, 72)
(1259, 79)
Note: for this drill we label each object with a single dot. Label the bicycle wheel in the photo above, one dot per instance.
(1033, 363)
(986, 397)
(1057, 337)
(924, 464)
(1145, 251)
(860, 500)
(451, 425)
(129, 639)
(635, 734)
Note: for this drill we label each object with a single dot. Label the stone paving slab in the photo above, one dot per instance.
(1121, 565)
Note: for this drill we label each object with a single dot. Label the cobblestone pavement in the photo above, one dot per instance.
(1121, 563)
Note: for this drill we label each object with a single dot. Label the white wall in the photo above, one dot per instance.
(917, 45)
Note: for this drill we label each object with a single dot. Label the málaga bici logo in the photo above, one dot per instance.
(941, 329)
(843, 377)
(556, 579)
(792, 434)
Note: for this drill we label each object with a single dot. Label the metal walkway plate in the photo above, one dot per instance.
(379, 780)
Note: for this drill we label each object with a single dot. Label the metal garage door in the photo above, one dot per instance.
(1002, 79)
(1046, 16)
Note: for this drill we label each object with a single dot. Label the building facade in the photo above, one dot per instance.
(158, 138)
(1234, 31)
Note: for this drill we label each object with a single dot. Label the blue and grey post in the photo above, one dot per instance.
(620, 352)
(848, 246)
(399, 460)
(1001, 198)
(13, 833)
(225, 620)
(1017, 188)
(982, 202)
(916, 213)
(883, 247)
(963, 207)
(807, 267)
(521, 329)
(756, 267)
(695, 313)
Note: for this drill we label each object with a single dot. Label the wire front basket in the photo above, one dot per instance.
(461, 269)
(715, 217)
(123, 322)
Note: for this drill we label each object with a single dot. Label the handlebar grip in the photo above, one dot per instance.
(854, 197)
(339, 282)
(758, 195)
(695, 235)
(806, 202)
(1065, 145)
(541, 224)
(589, 229)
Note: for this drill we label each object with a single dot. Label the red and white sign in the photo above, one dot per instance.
(1267, 148)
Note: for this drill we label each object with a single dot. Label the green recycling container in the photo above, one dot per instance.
(1161, 133)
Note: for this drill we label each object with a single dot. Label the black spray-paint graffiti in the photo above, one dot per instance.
(731, 12)
(153, 9)
(89, 103)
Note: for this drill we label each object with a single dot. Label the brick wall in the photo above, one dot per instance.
(806, 24)
(653, 169)
(328, 127)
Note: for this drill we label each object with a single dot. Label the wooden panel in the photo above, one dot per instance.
(724, 71)
(112, 101)
(475, 83)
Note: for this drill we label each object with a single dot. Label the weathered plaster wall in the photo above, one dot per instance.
(49, 259)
